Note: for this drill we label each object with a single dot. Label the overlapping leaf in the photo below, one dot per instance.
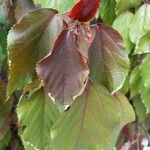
(135, 81)
(143, 44)
(145, 72)
(108, 13)
(2, 15)
(60, 5)
(140, 82)
(36, 116)
(123, 5)
(140, 109)
(28, 41)
(108, 59)
(4, 117)
(3, 45)
(93, 121)
(140, 23)
(23, 7)
(64, 71)
(122, 24)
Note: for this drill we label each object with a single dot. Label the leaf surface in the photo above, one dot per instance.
(143, 44)
(140, 23)
(3, 45)
(64, 71)
(107, 11)
(60, 5)
(108, 59)
(123, 5)
(5, 110)
(37, 115)
(29, 41)
(90, 120)
(122, 24)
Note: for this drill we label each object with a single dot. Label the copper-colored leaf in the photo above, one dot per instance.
(64, 72)
(108, 59)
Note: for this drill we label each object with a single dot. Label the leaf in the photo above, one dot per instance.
(84, 10)
(123, 5)
(4, 117)
(140, 23)
(122, 24)
(139, 108)
(3, 45)
(5, 141)
(107, 11)
(145, 99)
(145, 91)
(108, 60)
(36, 116)
(145, 71)
(135, 82)
(143, 44)
(60, 5)
(23, 7)
(3, 19)
(29, 41)
(90, 120)
(64, 71)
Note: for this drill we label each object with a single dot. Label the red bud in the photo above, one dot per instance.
(84, 10)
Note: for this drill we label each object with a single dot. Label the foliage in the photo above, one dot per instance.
(74, 75)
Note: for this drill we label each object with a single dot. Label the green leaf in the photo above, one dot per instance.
(3, 45)
(3, 19)
(93, 122)
(143, 44)
(139, 108)
(4, 117)
(140, 23)
(122, 24)
(107, 11)
(29, 41)
(60, 5)
(123, 5)
(36, 116)
(145, 99)
(145, 71)
(4, 142)
(109, 62)
(135, 81)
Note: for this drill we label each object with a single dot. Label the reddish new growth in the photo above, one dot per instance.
(84, 10)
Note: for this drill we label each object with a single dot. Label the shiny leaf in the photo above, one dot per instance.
(143, 44)
(108, 59)
(29, 41)
(64, 71)
(140, 23)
